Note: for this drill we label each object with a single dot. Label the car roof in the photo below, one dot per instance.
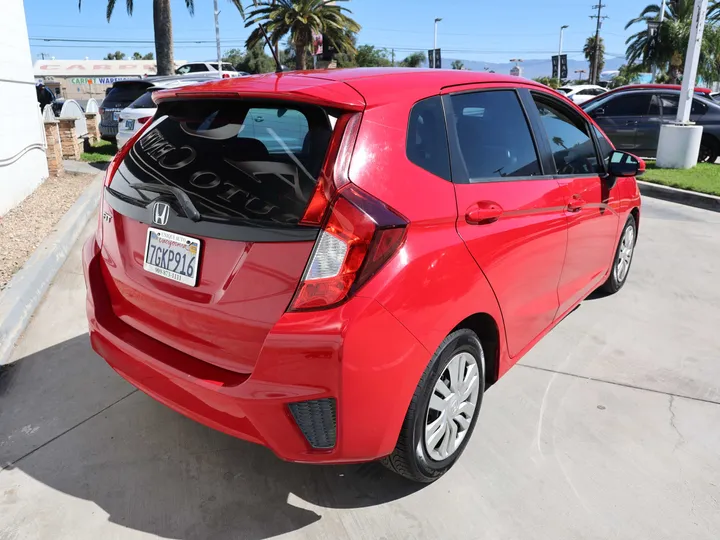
(351, 88)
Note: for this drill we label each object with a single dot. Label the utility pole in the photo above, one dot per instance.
(393, 57)
(217, 36)
(594, 72)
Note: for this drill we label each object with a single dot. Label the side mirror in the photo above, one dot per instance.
(623, 165)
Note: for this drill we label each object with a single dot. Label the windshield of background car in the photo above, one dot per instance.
(235, 160)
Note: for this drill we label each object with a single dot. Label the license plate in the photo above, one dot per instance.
(130, 124)
(172, 256)
(116, 116)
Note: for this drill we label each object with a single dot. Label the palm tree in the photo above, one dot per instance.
(415, 60)
(589, 52)
(457, 64)
(162, 25)
(667, 47)
(301, 19)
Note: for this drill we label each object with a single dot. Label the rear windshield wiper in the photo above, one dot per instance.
(185, 203)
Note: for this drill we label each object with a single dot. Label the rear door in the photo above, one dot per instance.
(206, 243)
(510, 211)
(648, 129)
(590, 206)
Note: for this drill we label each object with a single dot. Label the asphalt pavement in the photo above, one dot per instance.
(608, 429)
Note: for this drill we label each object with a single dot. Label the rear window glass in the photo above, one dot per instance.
(143, 102)
(234, 160)
(126, 93)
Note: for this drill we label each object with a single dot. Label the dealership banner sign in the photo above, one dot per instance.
(98, 80)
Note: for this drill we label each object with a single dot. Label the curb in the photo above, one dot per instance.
(28, 286)
(680, 196)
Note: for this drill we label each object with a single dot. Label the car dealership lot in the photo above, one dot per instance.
(607, 429)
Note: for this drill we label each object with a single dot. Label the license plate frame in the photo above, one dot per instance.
(172, 243)
(130, 124)
(116, 116)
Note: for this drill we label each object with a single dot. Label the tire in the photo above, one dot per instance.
(708, 151)
(618, 276)
(414, 457)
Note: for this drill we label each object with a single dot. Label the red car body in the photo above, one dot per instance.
(508, 259)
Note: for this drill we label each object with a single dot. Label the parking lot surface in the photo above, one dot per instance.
(608, 429)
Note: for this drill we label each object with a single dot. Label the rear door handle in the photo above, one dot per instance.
(483, 212)
(631, 123)
(576, 203)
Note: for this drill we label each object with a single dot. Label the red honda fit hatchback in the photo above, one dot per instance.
(337, 264)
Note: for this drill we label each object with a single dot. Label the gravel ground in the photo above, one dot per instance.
(24, 227)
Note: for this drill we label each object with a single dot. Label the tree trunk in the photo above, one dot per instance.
(300, 55)
(163, 37)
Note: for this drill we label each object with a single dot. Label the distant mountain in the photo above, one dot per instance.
(536, 68)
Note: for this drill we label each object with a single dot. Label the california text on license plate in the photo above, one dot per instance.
(172, 256)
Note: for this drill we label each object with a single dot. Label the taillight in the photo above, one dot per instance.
(225, 75)
(142, 121)
(120, 155)
(359, 236)
(101, 110)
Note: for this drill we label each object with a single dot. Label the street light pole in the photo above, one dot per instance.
(217, 36)
(657, 37)
(562, 29)
(437, 20)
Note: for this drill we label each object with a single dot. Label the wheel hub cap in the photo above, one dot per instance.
(452, 406)
(627, 244)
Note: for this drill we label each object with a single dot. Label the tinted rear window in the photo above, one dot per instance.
(144, 102)
(235, 160)
(126, 93)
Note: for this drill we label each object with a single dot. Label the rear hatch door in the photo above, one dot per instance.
(205, 246)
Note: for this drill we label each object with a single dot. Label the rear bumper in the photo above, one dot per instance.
(122, 137)
(358, 354)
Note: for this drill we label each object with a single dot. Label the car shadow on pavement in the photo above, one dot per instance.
(68, 421)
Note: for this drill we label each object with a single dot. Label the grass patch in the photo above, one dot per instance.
(704, 178)
(101, 151)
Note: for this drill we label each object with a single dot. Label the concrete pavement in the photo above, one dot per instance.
(609, 428)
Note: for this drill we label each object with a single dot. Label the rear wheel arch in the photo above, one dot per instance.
(488, 332)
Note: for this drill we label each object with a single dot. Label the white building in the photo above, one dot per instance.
(23, 165)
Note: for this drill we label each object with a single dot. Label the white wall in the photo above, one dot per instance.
(23, 165)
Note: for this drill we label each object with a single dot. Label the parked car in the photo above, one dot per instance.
(699, 90)
(351, 297)
(121, 94)
(632, 119)
(134, 116)
(581, 93)
(228, 69)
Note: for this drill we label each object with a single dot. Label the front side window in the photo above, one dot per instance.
(195, 68)
(493, 135)
(427, 145)
(628, 105)
(572, 147)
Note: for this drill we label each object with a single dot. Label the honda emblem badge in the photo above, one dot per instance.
(161, 213)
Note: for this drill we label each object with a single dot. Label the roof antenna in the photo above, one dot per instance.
(278, 66)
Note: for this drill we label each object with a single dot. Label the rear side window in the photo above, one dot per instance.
(235, 161)
(143, 102)
(670, 105)
(572, 147)
(427, 145)
(493, 135)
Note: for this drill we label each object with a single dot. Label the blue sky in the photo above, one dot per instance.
(470, 29)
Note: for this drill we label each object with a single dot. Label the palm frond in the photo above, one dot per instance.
(190, 4)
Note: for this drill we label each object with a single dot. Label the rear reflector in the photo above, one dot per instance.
(360, 235)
